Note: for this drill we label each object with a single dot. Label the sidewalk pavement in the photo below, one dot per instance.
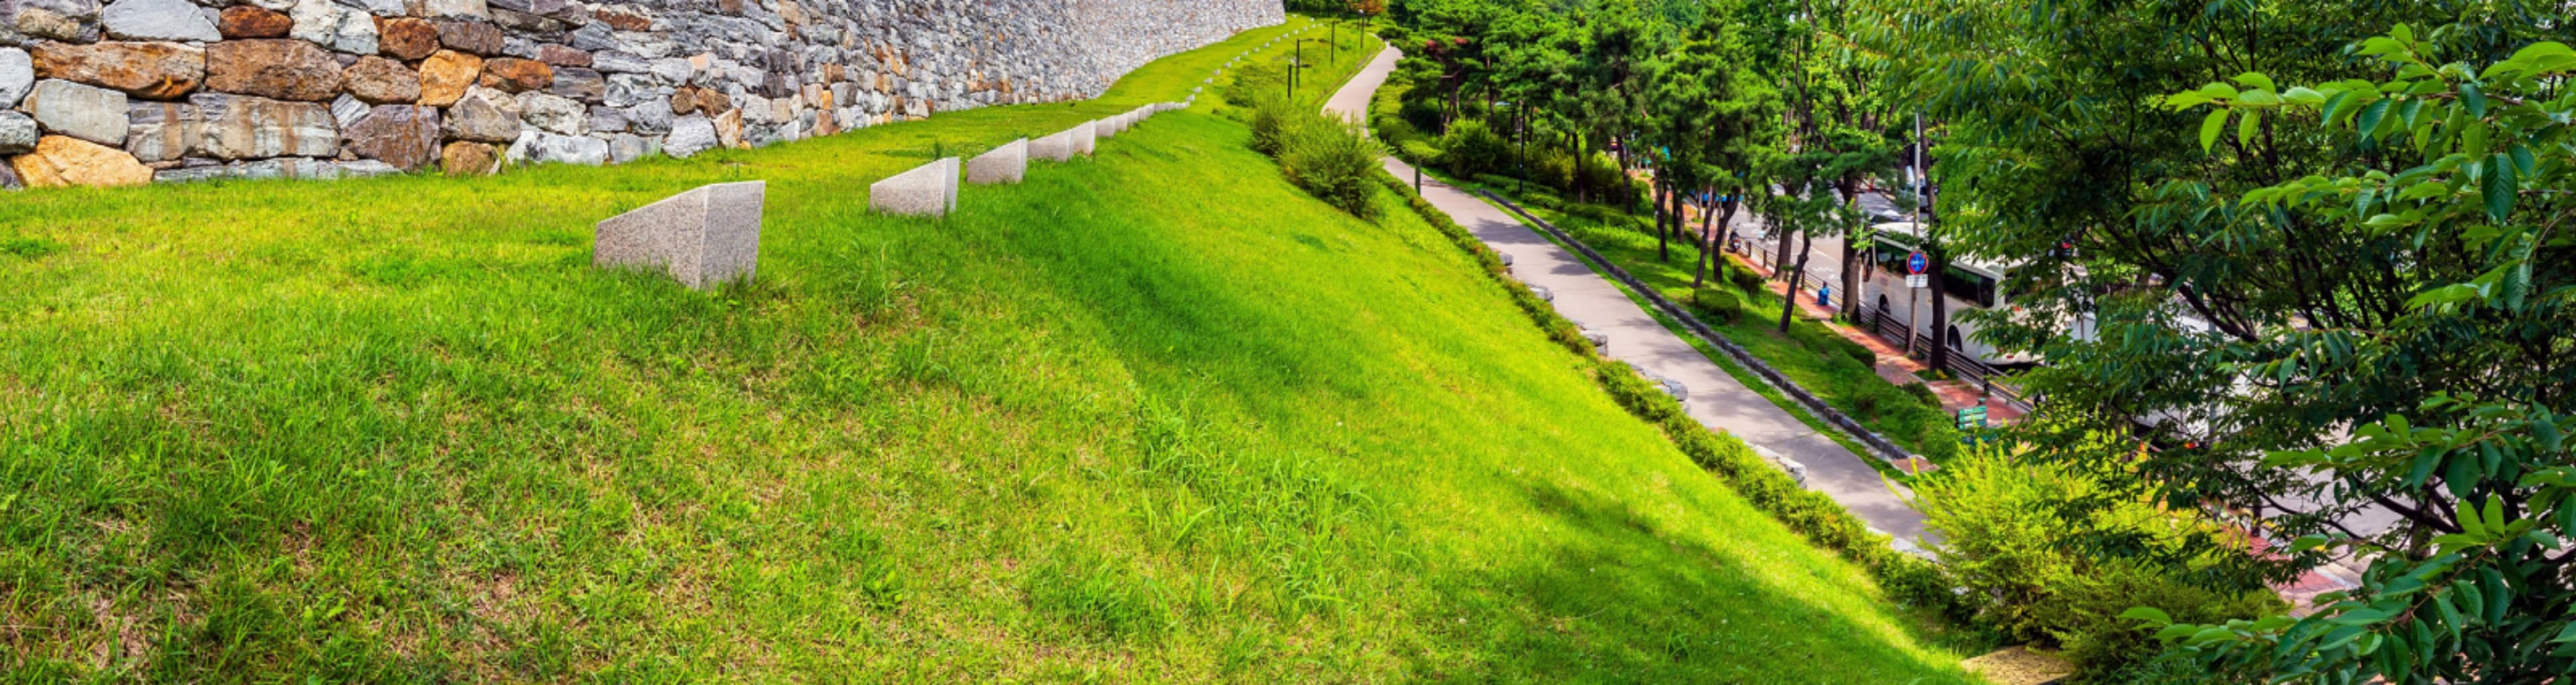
(1717, 400)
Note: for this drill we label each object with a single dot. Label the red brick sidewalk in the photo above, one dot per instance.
(1893, 365)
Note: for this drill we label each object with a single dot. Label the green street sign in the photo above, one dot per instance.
(1972, 417)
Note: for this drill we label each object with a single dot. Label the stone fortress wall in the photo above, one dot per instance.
(111, 92)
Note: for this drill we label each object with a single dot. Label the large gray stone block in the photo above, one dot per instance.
(89, 113)
(157, 20)
(926, 190)
(1058, 147)
(1005, 164)
(1085, 136)
(1105, 127)
(17, 74)
(17, 134)
(707, 236)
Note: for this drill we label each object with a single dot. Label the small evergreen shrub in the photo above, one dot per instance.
(1469, 149)
(1923, 393)
(1718, 305)
(1337, 163)
(1274, 122)
(1744, 279)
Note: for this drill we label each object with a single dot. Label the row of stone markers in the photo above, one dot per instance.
(710, 235)
(931, 189)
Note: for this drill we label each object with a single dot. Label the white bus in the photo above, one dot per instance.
(1898, 312)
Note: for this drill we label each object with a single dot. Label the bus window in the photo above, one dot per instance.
(1968, 285)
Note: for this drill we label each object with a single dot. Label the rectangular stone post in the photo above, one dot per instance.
(1085, 136)
(704, 237)
(1058, 147)
(1005, 164)
(926, 190)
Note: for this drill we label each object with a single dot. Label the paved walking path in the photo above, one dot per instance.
(1716, 399)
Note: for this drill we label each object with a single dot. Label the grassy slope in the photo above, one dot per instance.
(1152, 416)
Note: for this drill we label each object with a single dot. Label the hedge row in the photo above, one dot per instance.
(1910, 579)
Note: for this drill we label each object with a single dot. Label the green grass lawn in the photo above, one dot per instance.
(1152, 416)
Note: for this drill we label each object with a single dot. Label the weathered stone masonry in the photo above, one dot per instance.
(132, 91)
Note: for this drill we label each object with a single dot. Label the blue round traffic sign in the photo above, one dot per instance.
(1917, 263)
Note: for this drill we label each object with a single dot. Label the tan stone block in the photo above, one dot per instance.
(66, 161)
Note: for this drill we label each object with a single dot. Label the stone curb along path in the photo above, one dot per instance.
(1716, 399)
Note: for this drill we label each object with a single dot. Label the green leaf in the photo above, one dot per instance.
(2567, 634)
(2370, 116)
(2473, 139)
(2245, 129)
(2499, 188)
(2219, 91)
(2473, 98)
(2493, 516)
(2209, 129)
(2336, 106)
(2523, 163)
(2456, 292)
(2466, 514)
(2432, 454)
(2257, 80)
(2303, 96)
(2450, 614)
(2151, 615)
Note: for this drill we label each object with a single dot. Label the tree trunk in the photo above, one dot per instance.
(1789, 301)
(1781, 234)
(1663, 229)
(1940, 259)
(1707, 243)
(1850, 286)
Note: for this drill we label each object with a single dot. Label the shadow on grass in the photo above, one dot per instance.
(1626, 602)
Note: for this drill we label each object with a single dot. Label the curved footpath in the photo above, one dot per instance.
(1717, 400)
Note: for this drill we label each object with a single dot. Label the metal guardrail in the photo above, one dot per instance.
(1887, 328)
(1885, 449)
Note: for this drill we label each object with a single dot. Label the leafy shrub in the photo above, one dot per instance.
(1744, 279)
(2006, 540)
(1417, 152)
(1720, 306)
(1274, 122)
(1422, 112)
(1922, 393)
(1858, 352)
(1866, 401)
(1469, 149)
(1336, 163)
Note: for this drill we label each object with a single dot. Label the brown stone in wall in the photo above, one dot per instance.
(445, 76)
(464, 158)
(562, 56)
(155, 71)
(469, 36)
(65, 161)
(282, 69)
(245, 21)
(514, 75)
(406, 39)
(622, 18)
(699, 99)
(405, 136)
(379, 81)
